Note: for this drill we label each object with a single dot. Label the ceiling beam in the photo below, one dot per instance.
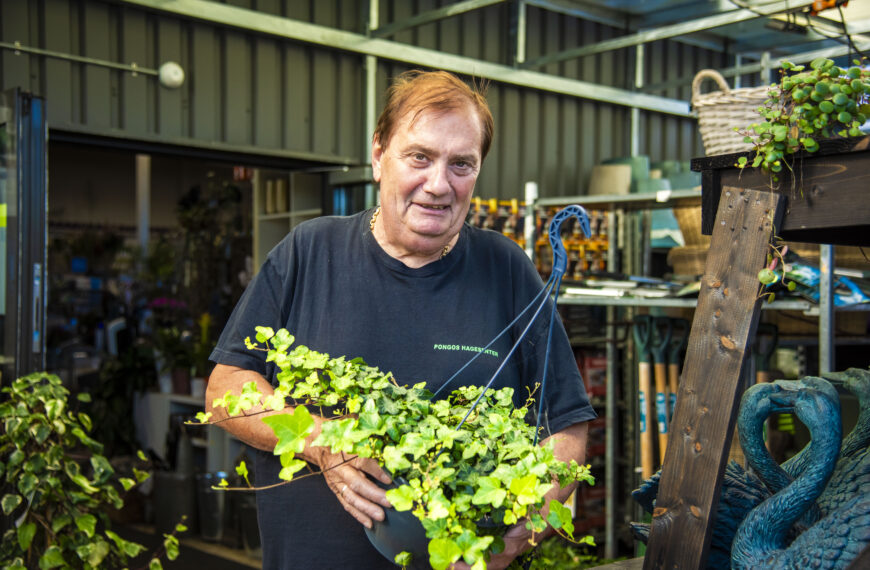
(432, 16)
(671, 31)
(747, 68)
(297, 30)
(619, 20)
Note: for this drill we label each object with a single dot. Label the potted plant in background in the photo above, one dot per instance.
(466, 467)
(202, 348)
(175, 349)
(806, 106)
(57, 486)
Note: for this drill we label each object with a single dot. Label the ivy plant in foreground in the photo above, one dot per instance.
(805, 106)
(455, 476)
(57, 487)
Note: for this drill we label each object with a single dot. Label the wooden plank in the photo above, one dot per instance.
(704, 417)
(630, 563)
(863, 560)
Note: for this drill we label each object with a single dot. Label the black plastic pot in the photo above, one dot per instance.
(400, 531)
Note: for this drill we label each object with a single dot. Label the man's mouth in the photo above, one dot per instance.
(433, 207)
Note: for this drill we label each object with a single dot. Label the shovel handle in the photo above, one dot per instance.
(661, 372)
(673, 386)
(646, 416)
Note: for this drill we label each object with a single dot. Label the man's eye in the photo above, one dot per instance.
(419, 156)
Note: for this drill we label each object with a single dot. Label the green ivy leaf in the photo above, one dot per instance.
(51, 558)
(242, 471)
(560, 517)
(394, 459)
(443, 552)
(402, 498)
(87, 524)
(26, 532)
(129, 548)
(264, 334)
(489, 492)
(27, 483)
(60, 522)
(93, 553)
(103, 470)
(291, 429)
(10, 503)
(127, 483)
(170, 544)
(54, 408)
(290, 466)
(526, 489)
(282, 340)
(155, 564)
(403, 559)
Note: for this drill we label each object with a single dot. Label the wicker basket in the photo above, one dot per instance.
(720, 111)
(689, 220)
(688, 260)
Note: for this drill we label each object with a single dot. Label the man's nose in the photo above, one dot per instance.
(438, 181)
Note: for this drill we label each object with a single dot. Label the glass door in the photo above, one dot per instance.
(23, 211)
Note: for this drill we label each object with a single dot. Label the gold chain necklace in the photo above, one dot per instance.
(372, 228)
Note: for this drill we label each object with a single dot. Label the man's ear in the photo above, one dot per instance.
(377, 155)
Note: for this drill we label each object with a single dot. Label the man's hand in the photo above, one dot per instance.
(346, 476)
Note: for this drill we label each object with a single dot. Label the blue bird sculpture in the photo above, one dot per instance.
(763, 539)
(743, 489)
(852, 471)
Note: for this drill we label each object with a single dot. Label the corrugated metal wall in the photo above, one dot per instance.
(249, 91)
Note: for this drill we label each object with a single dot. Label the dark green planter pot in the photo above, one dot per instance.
(400, 531)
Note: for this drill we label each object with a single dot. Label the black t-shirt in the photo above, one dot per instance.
(331, 285)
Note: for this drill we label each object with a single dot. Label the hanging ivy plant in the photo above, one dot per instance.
(460, 462)
(805, 106)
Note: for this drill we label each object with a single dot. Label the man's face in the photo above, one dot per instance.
(427, 173)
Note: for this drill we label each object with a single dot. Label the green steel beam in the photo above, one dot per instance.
(432, 16)
(671, 31)
(230, 16)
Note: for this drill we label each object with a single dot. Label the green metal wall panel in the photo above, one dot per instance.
(57, 73)
(262, 92)
(134, 97)
(205, 84)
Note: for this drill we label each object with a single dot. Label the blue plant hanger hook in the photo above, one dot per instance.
(560, 256)
(560, 265)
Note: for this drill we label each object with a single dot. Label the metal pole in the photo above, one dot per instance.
(826, 308)
(529, 221)
(610, 406)
(143, 200)
(635, 111)
(371, 68)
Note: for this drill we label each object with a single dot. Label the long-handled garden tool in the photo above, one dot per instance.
(661, 338)
(642, 336)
